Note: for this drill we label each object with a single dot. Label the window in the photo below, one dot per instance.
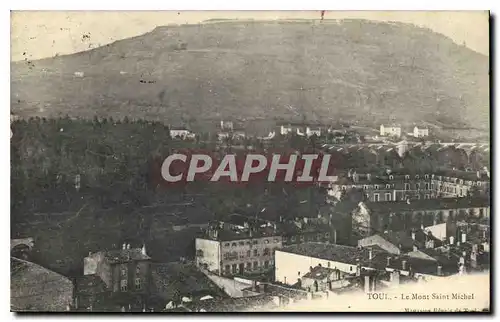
(432, 186)
(255, 242)
(124, 271)
(327, 235)
(344, 188)
(387, 197)
(407, 177)
(248, 242)
(350, 268)
(407, 186)
(417, 177)
(302, 238)
(417, 197)
(376, 187)
(254, 252)
(294, 238)
(276, 240)
(233, 268)
(266, 241)
(318, 237)
(266, 264)
(479, 183)
(417, 186)
(391, 177)
(233, 245)
(299, 273)
(426, 197)
(255, 265)
(426, 186)
(138, 284)
(375, 197)
(248, 253)
(123, 285)
(242, 243)
(426, 176)
(249, 266)
(266, 252)
(388, 186)
(226, 244)
(227, 268)
(365, 187)
(138, 269)
(461, 181)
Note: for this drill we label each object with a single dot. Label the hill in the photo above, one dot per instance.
(254, 71)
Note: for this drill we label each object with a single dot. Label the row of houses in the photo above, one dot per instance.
(398, 186)
(396, 131)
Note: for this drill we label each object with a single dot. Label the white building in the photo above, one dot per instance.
(181, 133)
(225, 252)
(293, 262)
(420, 132)
(390, 130)
(311, 132)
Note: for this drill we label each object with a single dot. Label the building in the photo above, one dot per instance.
(375, 217)
(181, 133)
(125, 270)
(420, 132)
(398, 186)
(321, 279)
(231, 252)
(310, 131)
(226, 125)
(400, 242)
(393, 130)
(294, 262)
(36, 288)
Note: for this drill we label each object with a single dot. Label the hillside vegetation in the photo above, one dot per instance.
(248, 71)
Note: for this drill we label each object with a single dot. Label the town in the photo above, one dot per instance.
(402, 206)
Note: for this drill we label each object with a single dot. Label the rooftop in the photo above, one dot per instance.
(36, 288)
(125, 255)
(428, 204)
(350, 255)
(319, 273)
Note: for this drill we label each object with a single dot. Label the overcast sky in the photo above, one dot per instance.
(45, 34)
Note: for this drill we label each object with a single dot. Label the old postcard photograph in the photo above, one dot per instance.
(244, 161)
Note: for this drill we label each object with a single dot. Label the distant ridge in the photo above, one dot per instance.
(262, 70)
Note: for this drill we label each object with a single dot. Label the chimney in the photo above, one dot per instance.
(369, 177)
(370, 254)
(439, 270)
(388, 261)
(335, 236)
(408, 201)
(413, 235)
(452, 239)
(143, 250)
(358, 267)
(415, 248)
(403, 264)
(254, 286)
(478, 174)
(464, 237)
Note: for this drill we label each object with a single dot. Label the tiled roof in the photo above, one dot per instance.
(349, 255)
(35, 288)
(233, 304)
(427, 204)
(319, 272)
(125, 255)
(185, 279)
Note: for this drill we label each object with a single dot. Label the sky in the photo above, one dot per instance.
(41, 34)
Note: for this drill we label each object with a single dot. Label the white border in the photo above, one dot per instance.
(188, 5)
